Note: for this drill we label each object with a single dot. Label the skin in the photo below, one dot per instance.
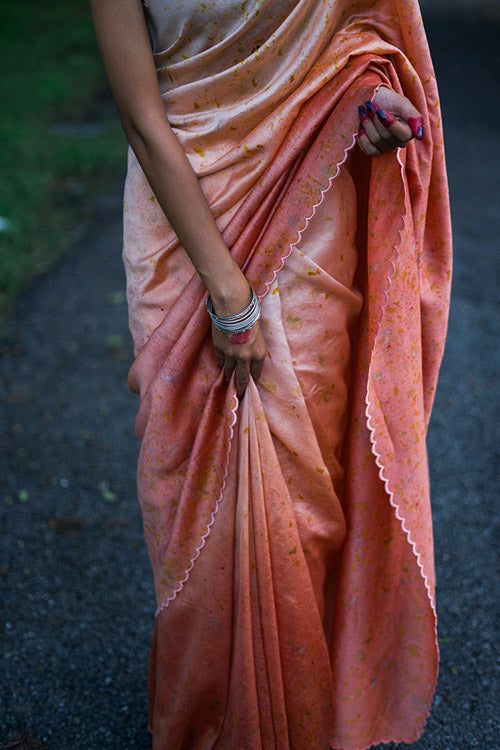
(378, 139)
(120, 25)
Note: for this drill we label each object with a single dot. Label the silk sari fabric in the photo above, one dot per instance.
(290, 532)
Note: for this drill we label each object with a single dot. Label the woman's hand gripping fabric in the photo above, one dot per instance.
(388, 122)
(245, 358)
(242, 353)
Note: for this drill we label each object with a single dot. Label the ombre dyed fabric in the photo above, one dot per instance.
(290, 533)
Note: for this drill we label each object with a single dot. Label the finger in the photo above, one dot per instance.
(403, 108)
(375, 140)
(386, 134)
(219, 356)
(377, 134)
(365, 117)
(417, 127)
(229, 365)
(256, 368)
(393, 131)
(365, 144)
(398, 129)
(242, 374)
(389, 127)
(412, 116)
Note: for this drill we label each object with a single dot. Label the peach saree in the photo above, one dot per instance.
(290, 532)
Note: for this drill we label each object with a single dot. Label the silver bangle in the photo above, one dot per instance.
(240, 323)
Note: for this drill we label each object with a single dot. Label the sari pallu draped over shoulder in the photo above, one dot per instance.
(266, 110)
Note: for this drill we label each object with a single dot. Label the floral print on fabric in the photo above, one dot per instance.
(290, 534)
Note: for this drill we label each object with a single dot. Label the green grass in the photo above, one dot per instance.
(60, 139)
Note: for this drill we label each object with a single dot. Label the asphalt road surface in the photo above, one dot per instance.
(76, 606)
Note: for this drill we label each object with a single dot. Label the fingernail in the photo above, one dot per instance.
(385, 117)
(363, 114)
(361, 130)
(371, 107)
(417, 127)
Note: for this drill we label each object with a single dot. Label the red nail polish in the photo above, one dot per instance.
(417, 127)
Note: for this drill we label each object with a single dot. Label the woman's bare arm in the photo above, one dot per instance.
(125, 49)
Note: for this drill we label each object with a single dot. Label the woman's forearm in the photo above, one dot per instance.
(179, 194)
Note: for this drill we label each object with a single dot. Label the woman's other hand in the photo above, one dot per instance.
(388, 122)
(245, 359)
(243, 353)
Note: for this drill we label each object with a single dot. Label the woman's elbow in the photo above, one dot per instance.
(132, 133)
(144, 133)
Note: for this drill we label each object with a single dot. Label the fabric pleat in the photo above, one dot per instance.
(290, 532)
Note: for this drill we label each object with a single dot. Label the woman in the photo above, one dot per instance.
(283, 475)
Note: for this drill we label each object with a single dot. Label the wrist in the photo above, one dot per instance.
(236, 325)
(230, 294)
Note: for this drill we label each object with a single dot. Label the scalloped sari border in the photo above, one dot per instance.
(180, 584)
(382, 469)
(368, 414)
(372, 431)
(234, 409)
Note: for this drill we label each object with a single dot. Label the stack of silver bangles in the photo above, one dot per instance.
(240, 323)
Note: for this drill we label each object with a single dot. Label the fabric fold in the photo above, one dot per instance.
(290, 533)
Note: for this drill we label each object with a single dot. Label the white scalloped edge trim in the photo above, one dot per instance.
(373, 440)
(371, 429)
(308, 219)
(394, 504)
(385, 481)
(390, 494)
(234, 410)
(180, 585)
